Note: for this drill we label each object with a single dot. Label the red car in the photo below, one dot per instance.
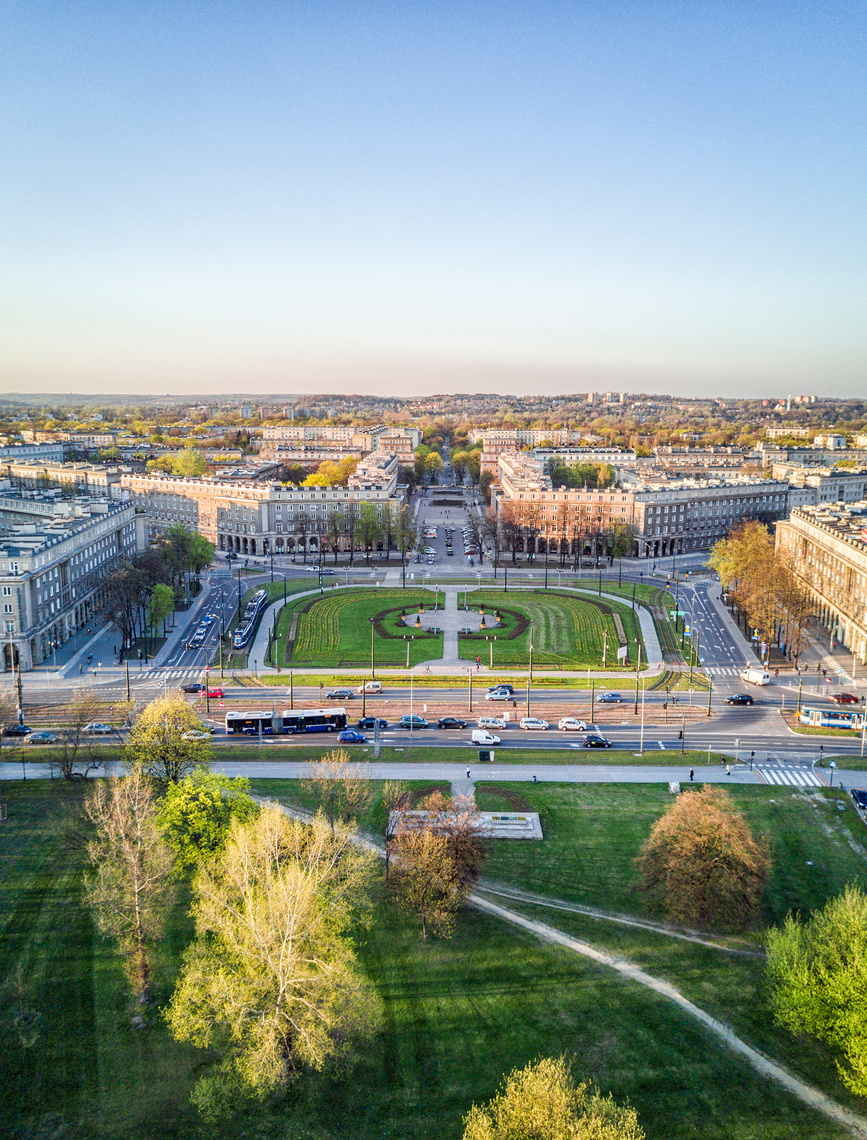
(845, 699)
(216, 693)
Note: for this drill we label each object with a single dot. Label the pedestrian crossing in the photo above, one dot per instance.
(801, 779)
(722, 670)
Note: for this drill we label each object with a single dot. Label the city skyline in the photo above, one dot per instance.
(396, 200)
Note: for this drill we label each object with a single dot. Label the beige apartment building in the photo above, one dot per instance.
(828, 548)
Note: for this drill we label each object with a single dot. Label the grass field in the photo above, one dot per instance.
(568, 631)
(456, 1015)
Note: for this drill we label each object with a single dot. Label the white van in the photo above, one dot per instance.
(482, 736)
(755, 676)
(490, 722)
(370, 687)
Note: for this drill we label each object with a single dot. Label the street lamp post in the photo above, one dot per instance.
(372, 658)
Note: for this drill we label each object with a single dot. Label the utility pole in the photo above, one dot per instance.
(709, 693)
(637, 670)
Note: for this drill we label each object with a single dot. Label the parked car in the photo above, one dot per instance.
(98, 728)
(340, 695)
(351, 736)
(502, 688)
(571, 724)
(845, 699)
(413, 721)
(610, 699)
(449, 550)
(596, 741)
(451, 722)
(740, 699)
(195, 687)
(490, 722)
(17, 730)
(216, 693)
(533, 722)
(370, 722)
(195, 734)
(41, 738)
(860, 798)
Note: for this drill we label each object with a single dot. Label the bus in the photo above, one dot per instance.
(247, 623)
(250, 723)
(314, 720)
(832, 718)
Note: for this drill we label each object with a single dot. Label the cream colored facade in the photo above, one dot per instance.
(829, 554)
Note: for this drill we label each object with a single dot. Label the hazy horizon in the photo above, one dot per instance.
(395, 199)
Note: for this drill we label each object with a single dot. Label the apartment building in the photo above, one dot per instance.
(664, 517)
(84, 478)
(828, 548)
(823, 484)
(32, 452)
(54, 558)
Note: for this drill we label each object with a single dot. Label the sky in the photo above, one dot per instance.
(406, 198)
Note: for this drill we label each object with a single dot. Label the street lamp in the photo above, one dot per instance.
(372, 658)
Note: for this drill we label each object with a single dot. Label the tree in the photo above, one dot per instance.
(425, 879)
(369, 527)
(190, 463)
(702, 862)
(459, 465)
(339, 788)
(395, 797)
(157, 746)
(76, 757)
(542, 1102)
(131, 891)
(162, 604)
(433, 466)
(270, 979)
(817, 971)
(197, 812)
(8, 711)
(458, 820)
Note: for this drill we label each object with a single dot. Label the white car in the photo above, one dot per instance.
(98, 728)
(571, 723)
(195, 735)
(533, 722)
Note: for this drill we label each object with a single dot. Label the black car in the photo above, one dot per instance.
(740, 699)
(17, 730)
(502, 689)
(451, 722)
(595, 741)
(860, 798)
(196, 687)
(370, 722)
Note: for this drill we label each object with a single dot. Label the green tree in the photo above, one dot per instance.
(161, 606)
(197, 813)
(542, 1102)
(433, 466)
(459, 465)
(271, 979)
(368, 528)
(157, 746)
(702, 862)
(190, 463)
(131, 891)
(817, 971)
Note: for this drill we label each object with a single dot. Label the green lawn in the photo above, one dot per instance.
(568, 631)
(456, 1016)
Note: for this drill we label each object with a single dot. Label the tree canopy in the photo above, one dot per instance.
(702, 863)
(197, 813)
(817, 971)
(156, 743)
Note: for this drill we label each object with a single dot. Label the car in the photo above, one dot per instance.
(504, 688)
(533, 722)
(498, 695)
(17, 730)
(370, 687)
(351, 736)
(41, 738)
(451, 722)
(413, 721)
(326, 570)
(216, 693)
(740, 699)
(369, 722)
(311, 569)
(194, 734)
(340, 695)
(195, 687)
(860, 798)
(449, 550)
(594, 740)
(98, 728)
(610, 699)
(571, 723)
(845, 699)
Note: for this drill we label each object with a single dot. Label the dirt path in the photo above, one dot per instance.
(857, 1125)
(518, 895)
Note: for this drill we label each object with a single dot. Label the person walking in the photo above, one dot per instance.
(468, 773)
(691, 774)
(728, 769)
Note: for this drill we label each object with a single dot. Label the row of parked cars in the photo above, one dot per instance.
(95, 728)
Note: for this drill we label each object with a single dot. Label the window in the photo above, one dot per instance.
(7, 609)
(7, 591)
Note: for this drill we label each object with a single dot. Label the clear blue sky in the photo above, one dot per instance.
(405, 197)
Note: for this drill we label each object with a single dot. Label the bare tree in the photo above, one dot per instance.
(395, 796)
(131, 891)
(341, 788)
(76, 756)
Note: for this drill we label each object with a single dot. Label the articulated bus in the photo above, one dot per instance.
(832, 718)
(248, 622)
(297, 720)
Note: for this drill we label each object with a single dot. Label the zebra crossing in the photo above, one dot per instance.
(188, 673)
(801, 779)
(722, 670)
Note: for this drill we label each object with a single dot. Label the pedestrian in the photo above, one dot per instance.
(534, 779)
(80, 670)
(468, 773)
(728, 769)
(691, 774)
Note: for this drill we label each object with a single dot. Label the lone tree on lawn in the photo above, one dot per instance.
(818, 975)
(339, 787)
(542, 1102)
(270, 980)
(157, 745)
(702, 862)
(197, 813)
(131, 891)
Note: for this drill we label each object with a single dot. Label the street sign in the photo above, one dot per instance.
(621, 652)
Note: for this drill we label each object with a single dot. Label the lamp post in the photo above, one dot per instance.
(372, 658)
(470, 689)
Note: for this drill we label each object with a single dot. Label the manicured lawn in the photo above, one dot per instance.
(456, 1016)
(569, 631)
